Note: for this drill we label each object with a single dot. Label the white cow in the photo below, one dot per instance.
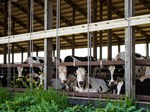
(79, 81)
(89, 84)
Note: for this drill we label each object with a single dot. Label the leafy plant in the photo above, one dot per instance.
(4, 94)
(36, 100)
(127, 105)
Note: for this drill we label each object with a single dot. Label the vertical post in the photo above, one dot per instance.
(48, 43)
(109, 32)
(5, 53)
(118, 46)
(5, 12)
(28, 28)
(147, 48)
(13, 32)
(22, 56)
(8, 44)
(5, 9)
(37, 52)
(12, 50)
(101, 32)
(129, 51)
(58, 13)
(73, 36)
(95, 33)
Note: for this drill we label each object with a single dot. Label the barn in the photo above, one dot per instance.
(49, 26)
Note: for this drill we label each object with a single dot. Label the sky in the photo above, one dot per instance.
(139, 48)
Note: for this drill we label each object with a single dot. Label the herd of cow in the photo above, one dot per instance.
(78, 78)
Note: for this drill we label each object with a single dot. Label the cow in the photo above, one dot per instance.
(35, 72)
(79, 81)
(66, 79)
(90, 84)
(141, 87)
(64, 71)
(117, 72)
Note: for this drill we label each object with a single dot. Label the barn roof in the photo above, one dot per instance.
(20, 21)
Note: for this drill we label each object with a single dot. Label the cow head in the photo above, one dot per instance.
(63, 74)
(81, 76)
(116, 73)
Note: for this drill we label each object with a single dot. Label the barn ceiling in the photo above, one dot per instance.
(68, 9)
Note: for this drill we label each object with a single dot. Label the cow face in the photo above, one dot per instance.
(81, 76)
(63, 74)
(116, 72)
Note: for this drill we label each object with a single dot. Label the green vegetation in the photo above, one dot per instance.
(54, 101)
(4, 95)
(127, 105)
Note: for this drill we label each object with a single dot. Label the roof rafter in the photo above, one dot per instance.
(41, 3)
(145, 3)
(15, 19)
(73, 4)
(18, 46)
(25, 11)
(21, 48)
(61, 17)
(84, 13)
(118, 13)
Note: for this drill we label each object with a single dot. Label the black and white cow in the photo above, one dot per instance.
(67, 70)
(35, 72)
(79, 81)
(67, 74)
(117, 72)
(90, 84)
(77, 59)
(141, 87)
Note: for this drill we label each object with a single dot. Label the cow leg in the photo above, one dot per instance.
(119, 86)
(41, 77)
(20, 69)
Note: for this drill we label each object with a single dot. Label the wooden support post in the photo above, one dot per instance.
(101, 32)
(22, 56)
(12, 51)
(95, 33)
(5, 17)
(5, 30)
(73, 36)
(129, 51)
(37, 52)
(147, 48)
(13, 32)
(118, 46)
(48, 43)
(29, 28)
(109, 32)
(5, 53)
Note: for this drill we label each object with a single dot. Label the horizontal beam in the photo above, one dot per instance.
(104, 25)
(145, 62)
